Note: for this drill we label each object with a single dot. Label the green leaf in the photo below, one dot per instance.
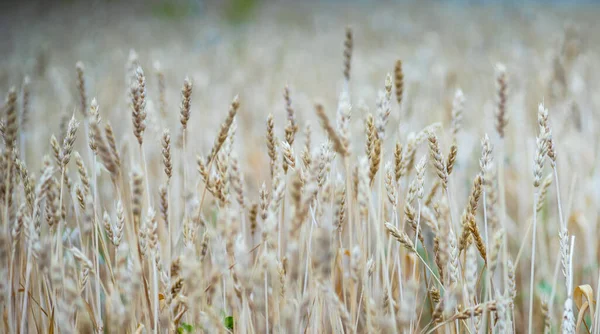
(228, 322)
(185, 327)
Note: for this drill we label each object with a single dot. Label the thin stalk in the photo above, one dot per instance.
(184, 158)
(170, 243)
(107, 258)
(415, 264)
(8, 246)
(155, 290)
(22, 149)
(501, 189)
(208, 168)
(266, 298)
(488, 282)
(523, 242)
(358, 310)
(417, 231)
(95, 236)
(280, 225)
(152, 314)
(349, 199)
(312, 224)
(378, 223)
(562, 224)
(554, 283)
(41, 291)
(560, 213)
(397, 265)
(430, 270)
(225, 292)
(487, 246)
(145, 171)
(7, 195)
(532, 279)
(24, 312)
(397, 256)
(95, 233)
(10, 289)
(597, 315)
(146, 289)
(58, 234)
(451, 208)
(94, 180)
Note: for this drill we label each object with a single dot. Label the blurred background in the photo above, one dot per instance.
(254, 48)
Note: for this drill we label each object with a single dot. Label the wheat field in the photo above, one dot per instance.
(299, 167)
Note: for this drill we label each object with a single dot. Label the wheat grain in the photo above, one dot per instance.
(348, 45)
(331, 132)
(186, 97)
(11, 123)
(138, 105)
(80, 68)
(438, 160)
(501, 96)
(67, 147)
(399, 81)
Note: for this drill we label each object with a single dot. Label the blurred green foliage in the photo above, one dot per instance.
(234, 11)
(171, 10)
(545, 288)
(240, 10)
(185, 328)
(228, 321)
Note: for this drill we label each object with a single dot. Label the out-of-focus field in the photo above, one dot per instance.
(254, 54)
(254, 50)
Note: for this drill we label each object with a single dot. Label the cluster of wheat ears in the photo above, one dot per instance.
(361, 233)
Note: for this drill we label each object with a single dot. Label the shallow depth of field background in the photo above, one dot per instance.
(254, 48)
